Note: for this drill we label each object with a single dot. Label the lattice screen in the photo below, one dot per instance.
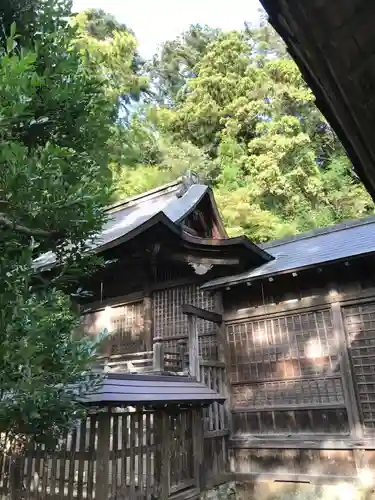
(282, 369)
(125, 325)
(360, 327)
(169, 321)
(297, 345)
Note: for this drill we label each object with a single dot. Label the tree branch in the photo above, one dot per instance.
(19, 228)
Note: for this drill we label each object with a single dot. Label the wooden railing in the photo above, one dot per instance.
(158, 360)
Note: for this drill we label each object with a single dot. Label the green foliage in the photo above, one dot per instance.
(109, 50)
(147, 159)
(176, 63)
(279, 168)
(56, 121)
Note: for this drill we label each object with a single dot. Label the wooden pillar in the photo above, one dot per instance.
(162, 453)
(148, 329)
(346, 371)
(103, 455)
(224, 355)
(194, 368)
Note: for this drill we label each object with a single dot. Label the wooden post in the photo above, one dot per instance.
(162, 453)
(346, 371)
(147, 330)
(103, 455)
(181, 346)
(158, 356)
(194, 368)
(224, 355)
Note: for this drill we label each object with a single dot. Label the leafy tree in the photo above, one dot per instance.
(176, 63)
(249, 109)
(147, 159)
(109, 49)
(56, 120)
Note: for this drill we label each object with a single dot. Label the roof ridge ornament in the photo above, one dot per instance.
(187, 180)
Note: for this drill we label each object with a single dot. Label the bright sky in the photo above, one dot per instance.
(155, 21)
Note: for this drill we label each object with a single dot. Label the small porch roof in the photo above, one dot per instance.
(152, 390)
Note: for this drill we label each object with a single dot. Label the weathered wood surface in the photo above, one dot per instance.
(198, 312)
(136, 455)
(302, 357)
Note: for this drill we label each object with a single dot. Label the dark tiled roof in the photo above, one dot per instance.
(339, 242)
(152, 390)
(172, 200)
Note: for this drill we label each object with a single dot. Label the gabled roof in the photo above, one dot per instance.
(321, 246)
(168, 206)
(152, 390)
(333, 43)
(174, 200)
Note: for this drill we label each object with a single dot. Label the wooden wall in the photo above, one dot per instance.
(142, 307)
(301, 356)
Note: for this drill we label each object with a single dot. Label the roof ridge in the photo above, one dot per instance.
(142, 196)
(319, 231)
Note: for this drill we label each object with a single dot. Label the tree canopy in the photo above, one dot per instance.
(237, 104)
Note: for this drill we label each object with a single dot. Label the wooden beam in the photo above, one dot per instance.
(300, 441)
(305, 304)
(197, 312)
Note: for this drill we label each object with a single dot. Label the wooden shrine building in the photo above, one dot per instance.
(225, 361)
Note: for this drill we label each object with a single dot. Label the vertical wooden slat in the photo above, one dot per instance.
(81, 455)
(140, 451)
(63, 455)
(72, 465)
(103, 456)
(124, 453)
(114, 454)
(52, 487)
(149, 472)
(45, 475)
(37, 466)
(132, 455)
(91, 457)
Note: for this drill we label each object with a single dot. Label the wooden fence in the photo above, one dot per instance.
(113, 454)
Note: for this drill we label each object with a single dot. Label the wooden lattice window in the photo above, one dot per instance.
(169, 321)
(360, 328)
(283, 370)
(125, 325)
(298, 345)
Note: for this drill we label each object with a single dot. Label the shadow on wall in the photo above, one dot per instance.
(270, 490)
